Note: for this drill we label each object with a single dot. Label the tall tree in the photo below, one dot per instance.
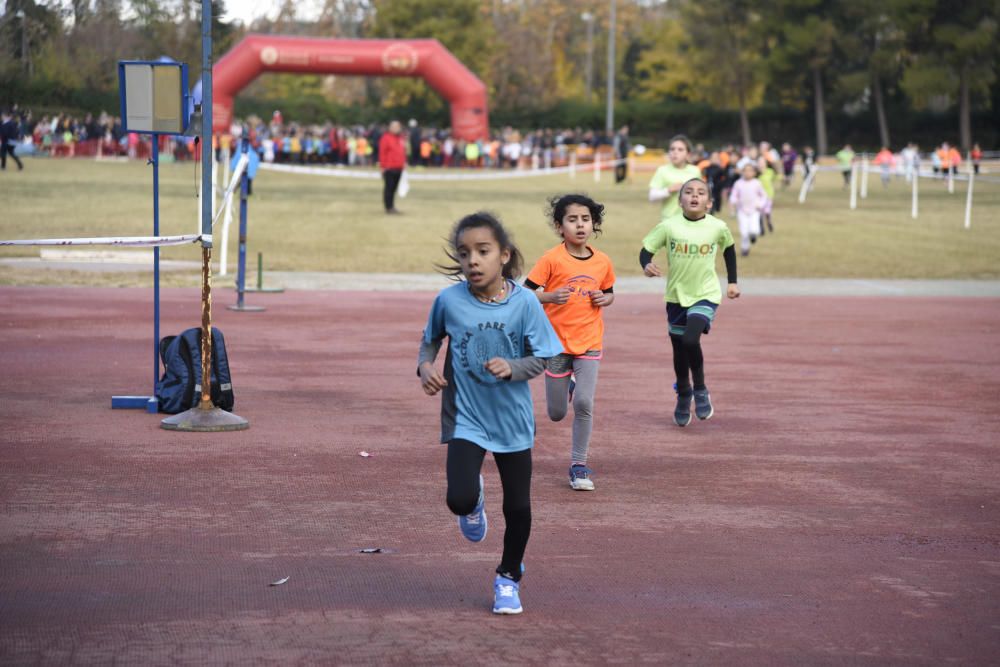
(710, 52)
(954, 53)
(802, 36)
(872, 42)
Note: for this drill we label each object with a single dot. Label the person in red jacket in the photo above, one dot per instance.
(392, 159)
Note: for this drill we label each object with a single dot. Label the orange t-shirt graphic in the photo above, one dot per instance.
(578, 322)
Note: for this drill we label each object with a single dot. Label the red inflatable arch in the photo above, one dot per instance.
(367, 57)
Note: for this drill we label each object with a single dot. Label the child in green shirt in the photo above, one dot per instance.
(669, 178)
(766, 178)
(693, 240)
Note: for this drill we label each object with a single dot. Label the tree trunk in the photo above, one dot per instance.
(821, 141)
(883, 123)
(964, 124)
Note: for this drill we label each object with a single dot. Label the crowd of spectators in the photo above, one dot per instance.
(357, 145)
(275, 140)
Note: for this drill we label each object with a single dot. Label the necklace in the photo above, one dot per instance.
(496, 298)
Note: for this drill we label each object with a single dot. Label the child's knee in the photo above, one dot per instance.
(462, 504)
(583, 405)
(517, 512)
(558, 412)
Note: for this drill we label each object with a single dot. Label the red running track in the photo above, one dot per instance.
(840, 508)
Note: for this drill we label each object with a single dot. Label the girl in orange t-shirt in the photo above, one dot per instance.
(577, 283)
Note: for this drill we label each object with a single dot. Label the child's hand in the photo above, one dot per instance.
(431, 380)
(559, 296)
(733, 291)
(652, 271)
(601, 299)
(499, 367)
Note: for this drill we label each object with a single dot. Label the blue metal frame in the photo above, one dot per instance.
(151, 402)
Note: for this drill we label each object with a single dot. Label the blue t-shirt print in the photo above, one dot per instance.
(486, 341)
(476, 406)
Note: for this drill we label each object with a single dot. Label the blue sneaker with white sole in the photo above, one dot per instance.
(580, 477)
(682, 413)
(506, 596)
(703, 404)
(473, 525)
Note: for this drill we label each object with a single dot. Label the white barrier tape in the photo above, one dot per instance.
(233, 183)
(923, 173)
(129, 241)
(493, 175)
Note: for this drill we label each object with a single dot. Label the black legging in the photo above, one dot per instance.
(465, 460)
(391, 182)
(5, 150)
(688, 358)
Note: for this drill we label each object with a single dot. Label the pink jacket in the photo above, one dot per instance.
(747, 196)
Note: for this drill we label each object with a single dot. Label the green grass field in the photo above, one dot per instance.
(312, 223)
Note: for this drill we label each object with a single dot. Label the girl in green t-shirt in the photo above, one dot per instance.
(692, 241)
(669, 178)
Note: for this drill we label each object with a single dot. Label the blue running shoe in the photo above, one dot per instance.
(579, 478)
(473, 526)
(703, 404)
(682, 413)
(506, 596)
(572, 387)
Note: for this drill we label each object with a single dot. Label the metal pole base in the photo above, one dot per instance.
(265, 290)
(208, 419)
(246, 309)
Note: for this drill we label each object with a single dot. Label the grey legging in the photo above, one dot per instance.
(557, 398)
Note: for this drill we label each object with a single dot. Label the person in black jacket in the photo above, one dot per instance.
(9, 134)
(621, 147)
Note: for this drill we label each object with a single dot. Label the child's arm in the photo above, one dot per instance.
(602, 298)
(659, 194)
(734, 197)
(559, 296)
(540, 343)
(539, 278)
(729, 255)
(430, 378)
(650, 269)
(516, 370)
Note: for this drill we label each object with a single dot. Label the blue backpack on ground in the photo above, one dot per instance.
(180, 387)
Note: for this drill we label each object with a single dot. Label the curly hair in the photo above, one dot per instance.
(555, 211)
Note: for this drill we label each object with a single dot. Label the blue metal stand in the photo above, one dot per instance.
(150, 403)
(241, 273)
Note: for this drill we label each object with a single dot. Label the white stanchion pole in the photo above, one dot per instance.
(854, 185)
(806, 186)
(864, 178)
(968, 198)
(215, 185)
(226, 157)
(224, 241)
(914, 207)
(597, 167)
(572, 165)
(951, 180)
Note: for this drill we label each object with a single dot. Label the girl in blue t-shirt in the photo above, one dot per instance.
(498, 339)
